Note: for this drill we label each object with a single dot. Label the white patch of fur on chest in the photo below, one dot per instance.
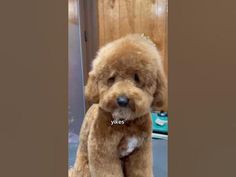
(132, 144)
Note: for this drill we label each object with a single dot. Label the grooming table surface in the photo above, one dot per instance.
(160, 150)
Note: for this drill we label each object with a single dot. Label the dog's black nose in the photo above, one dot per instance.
(122, 101)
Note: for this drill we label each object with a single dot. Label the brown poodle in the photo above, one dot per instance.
(126, 81)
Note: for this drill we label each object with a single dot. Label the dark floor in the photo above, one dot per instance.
(159, 156)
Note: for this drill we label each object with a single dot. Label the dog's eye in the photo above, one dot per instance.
(136, 78)
(111, 80)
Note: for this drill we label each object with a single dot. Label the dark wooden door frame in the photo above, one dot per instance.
(88, 18)
(89, 32)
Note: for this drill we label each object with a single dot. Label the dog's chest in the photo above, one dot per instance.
(128, 145)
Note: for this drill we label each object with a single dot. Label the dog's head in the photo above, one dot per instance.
(127, 78)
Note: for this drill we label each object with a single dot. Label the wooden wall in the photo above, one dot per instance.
(117, 18)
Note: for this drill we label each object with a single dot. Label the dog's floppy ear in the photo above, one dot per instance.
(160, 101)
(91, 88)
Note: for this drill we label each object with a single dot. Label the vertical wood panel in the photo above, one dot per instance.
(126, 17)
(137, 16)
(117, 18)
(111, 20)
(101, 24)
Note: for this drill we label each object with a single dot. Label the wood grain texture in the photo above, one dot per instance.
(116, 18)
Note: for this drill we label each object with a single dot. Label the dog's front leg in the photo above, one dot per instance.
(103, 158)
(139, 163)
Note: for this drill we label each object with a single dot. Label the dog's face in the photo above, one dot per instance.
(127, 79)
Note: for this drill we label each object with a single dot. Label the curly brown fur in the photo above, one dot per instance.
(130, 67)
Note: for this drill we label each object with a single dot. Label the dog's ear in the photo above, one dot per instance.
(91, 88)
(160, 100)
